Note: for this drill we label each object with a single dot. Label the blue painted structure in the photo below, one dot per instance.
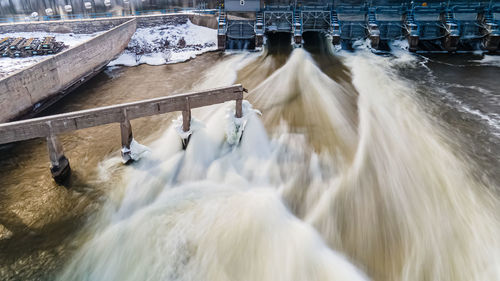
(434, 25)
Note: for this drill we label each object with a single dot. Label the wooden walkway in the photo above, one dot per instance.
(50, 126)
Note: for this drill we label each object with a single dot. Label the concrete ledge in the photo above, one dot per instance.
(80, 26)
(85, 26)
(29, 91)
(33, 88)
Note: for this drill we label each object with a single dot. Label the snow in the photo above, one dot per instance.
(11, 65)
(170, 43)
(126, 59)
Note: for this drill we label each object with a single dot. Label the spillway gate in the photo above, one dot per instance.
(446, 26)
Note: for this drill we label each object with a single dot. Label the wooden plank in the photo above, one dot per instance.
(239, 108)
(60, 123)
(186, 116)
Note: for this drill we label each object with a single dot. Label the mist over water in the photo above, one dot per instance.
(344, 176)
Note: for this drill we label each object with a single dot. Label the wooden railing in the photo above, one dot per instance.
(50, 126)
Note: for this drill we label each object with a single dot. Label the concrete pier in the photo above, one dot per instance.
(127, 138)
(32, 89)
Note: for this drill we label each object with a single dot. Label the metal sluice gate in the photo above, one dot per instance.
(426, 26)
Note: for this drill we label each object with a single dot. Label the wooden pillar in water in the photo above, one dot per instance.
(59, 168)
(186, 117)
(239, 108)
(126, 137)
(186, 123)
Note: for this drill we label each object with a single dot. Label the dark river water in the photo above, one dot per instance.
(419, 133)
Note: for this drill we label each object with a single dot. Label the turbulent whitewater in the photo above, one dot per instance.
(344, 176)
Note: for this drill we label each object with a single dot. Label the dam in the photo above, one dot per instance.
(280, 150)
(425, 25)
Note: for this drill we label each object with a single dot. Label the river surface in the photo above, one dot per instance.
(351, 166)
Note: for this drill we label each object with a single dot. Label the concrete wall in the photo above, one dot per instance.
(209, 21)
(66, 26)
(86, 26)
(39, 85)
(25, 90)
(154, 20)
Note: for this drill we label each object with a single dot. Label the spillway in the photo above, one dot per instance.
(433, 26)
(345, 171)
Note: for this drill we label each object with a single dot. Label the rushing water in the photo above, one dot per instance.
(350, 167)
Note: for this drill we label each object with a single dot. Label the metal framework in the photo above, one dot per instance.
(446, 23)
(240, 30)
(317, 19)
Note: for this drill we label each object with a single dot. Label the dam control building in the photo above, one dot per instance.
(425, 25)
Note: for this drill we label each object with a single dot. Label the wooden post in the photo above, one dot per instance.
(186, 123)
(127, 137)
(50, 126)
(239, 109)
(60, 168)
(186, 117)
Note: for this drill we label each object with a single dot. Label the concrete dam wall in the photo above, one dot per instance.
(65, 26)
(41, 84)
(33, 89)
(86, 26)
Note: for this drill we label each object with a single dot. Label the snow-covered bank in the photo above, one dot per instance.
(167, 44)
(11, 65)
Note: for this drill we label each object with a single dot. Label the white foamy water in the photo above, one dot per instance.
(336, 181)
(407, 199)
(208, 213)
